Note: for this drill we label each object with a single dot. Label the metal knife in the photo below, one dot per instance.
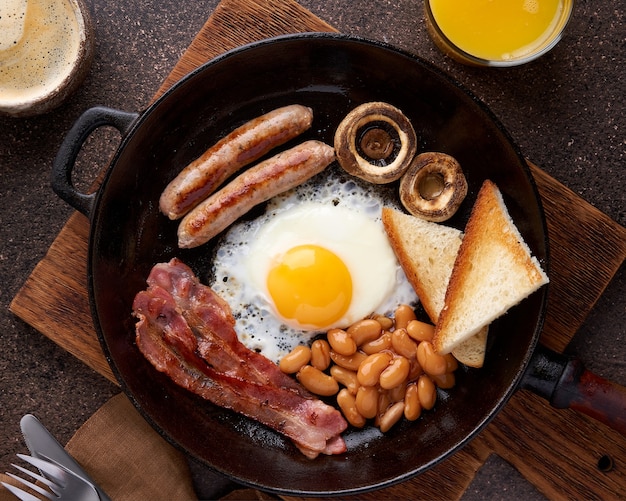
(42, 444)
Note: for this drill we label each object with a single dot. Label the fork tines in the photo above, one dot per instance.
(52, 470)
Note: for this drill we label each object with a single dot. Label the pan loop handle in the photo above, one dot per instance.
(65, 160)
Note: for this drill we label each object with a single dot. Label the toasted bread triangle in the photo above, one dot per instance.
(494, 270)
(427, 251)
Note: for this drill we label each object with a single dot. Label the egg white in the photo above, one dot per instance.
(240, 263)
(357, 240)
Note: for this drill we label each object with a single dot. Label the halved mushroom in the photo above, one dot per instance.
(375, 142)
(433, 187)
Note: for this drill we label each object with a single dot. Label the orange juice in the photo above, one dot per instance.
(497, 30)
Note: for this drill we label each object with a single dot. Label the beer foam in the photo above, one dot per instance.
(40, 41)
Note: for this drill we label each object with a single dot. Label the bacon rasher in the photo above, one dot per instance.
(187, 331)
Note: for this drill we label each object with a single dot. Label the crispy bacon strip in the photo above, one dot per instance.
(210, 318)
(209, 360)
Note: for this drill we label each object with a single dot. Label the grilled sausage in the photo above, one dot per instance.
(258, 184)
(241, 147)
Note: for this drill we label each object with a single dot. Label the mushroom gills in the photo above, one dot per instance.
(375, 142)
(433, 187)
(379, 143)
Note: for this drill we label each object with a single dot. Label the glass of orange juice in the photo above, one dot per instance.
(496, 32)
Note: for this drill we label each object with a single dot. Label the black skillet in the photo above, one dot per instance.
(332, 74)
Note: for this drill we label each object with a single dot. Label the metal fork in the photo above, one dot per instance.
(61, 482)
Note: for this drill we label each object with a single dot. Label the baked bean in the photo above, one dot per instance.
(381, 368)
(395, 374)
(317, 382)
(391, 416)
(345, 377)
(445, 381)
(295, 359)
(352, 362)
(347, 404)
(367, 401)
(403, 315)
(365, 330)
(397, 394)
(403, 344)
(451, 363)
(384, 402)
(432, 363)
(412, 406)
(385, 322)
(377, 345)
(371, 368)
(420, 331)
(341, 342)
(320, 354)
(427, 392)
(416, 370)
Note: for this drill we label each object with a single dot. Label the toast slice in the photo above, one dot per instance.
(427, 251)
(494, 270)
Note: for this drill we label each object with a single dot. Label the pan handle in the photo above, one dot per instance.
(565, 383)
(65, 160)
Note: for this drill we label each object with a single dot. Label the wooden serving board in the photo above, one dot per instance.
(557, 451)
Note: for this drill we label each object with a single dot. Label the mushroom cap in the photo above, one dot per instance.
(433, 187)
(375, 142)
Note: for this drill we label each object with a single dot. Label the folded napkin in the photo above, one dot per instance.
(127, 458)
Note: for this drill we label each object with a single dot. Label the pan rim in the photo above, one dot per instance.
(327, 37)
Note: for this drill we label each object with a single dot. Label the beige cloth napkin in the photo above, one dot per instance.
(126, 457)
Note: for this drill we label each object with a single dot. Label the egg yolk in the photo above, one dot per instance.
(311, 285)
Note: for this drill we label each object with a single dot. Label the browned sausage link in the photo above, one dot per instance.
(258, 184)
(241, 147)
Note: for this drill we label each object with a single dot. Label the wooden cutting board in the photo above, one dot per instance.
(557, 451)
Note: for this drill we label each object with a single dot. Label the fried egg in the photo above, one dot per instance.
(317, 258)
